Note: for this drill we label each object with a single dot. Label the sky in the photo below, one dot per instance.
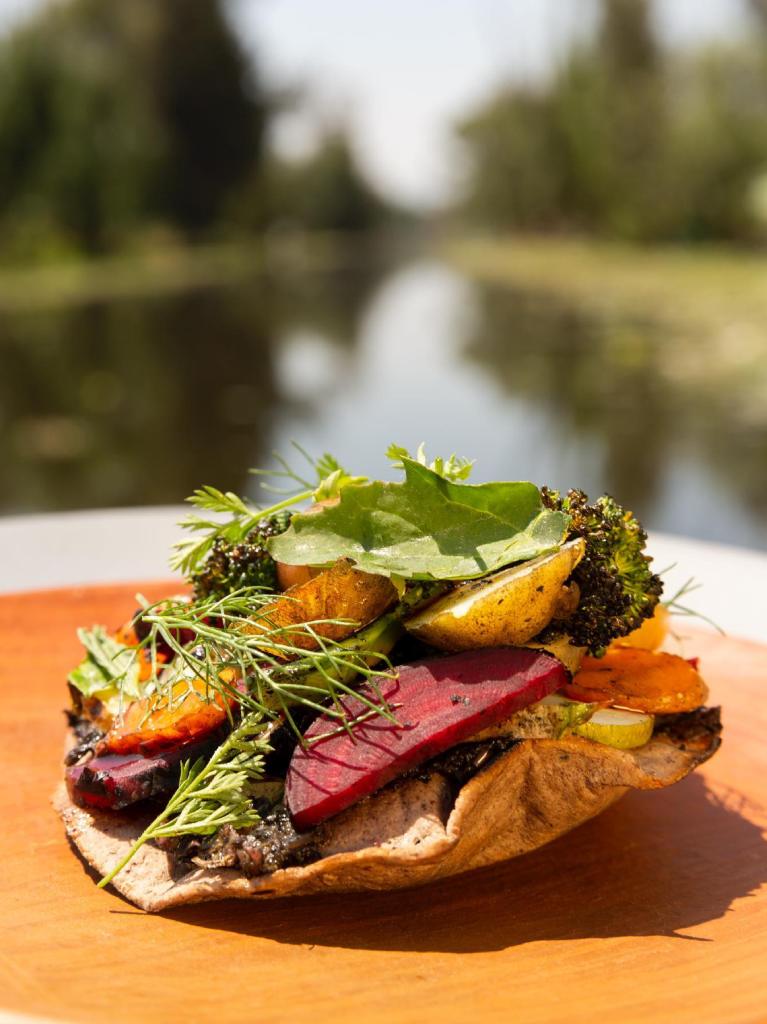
(400, 73)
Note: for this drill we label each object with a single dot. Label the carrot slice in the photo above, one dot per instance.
(185, 718)
(650, 681)
(126, 634)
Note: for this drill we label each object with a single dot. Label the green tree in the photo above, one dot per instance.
(575, 152)
(78, 142)
(610, 111)
(210, 106)
(326, 191)
(516, 176)
(627, 141)
(116, 114)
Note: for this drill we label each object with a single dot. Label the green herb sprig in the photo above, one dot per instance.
(214, 794)
(674, 604)
(454, 467)
(241, 516)
(273, 671)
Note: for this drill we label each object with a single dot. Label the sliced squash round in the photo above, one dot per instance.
(616, 727)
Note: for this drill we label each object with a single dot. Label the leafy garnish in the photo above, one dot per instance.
(107, 666)
(328, 475)
(455, 467)
(214, 794)
(426, 527)
(275, 670)
(242, 516)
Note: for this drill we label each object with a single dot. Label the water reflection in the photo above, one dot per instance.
(681, 419)
(117, 403)
(137, 402)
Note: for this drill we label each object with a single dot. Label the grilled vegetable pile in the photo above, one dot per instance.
(356, 630)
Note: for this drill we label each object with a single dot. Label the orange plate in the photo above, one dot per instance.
(651, 912)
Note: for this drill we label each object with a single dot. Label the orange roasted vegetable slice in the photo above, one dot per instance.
(650, 634)
(147, 727)
(650, 681)
(341, 592)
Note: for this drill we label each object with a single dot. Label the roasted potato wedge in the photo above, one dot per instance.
(341, 592)
(508, 608)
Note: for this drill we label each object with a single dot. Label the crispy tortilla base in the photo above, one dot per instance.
(413, 833)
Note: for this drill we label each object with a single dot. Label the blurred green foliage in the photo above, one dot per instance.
(325, 190)
(76, 144)
(628, 141)
(118, 115)
(129, 121)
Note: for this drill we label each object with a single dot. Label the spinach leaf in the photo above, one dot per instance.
(425, 527)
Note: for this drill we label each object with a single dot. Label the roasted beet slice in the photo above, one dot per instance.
(115, 781)
(438, 703)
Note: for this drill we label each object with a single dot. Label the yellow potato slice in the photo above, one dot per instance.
(509, 607)
(616, 727)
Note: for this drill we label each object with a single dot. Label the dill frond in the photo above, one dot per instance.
(272, 668)
(675, 607)
(214, 794)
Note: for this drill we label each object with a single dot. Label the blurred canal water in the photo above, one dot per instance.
(136, 402)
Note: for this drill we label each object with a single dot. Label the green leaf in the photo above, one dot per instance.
(88, 678)
(426, 527)
(455, 467)
(109, 667)
(332, 485)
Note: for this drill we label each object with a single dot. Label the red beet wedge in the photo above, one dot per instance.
(114, 781)
(437, 703)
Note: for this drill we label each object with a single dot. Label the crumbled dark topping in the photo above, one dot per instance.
(691, 730)
(272, 844)
(462, 762)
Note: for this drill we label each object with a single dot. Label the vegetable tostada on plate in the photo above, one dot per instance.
(400, 682)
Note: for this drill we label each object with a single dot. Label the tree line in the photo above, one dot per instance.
(126, 121)
(629, 140)
(134, 117)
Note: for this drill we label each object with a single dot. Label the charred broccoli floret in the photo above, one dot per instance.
(244, 563)
(617, 588)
